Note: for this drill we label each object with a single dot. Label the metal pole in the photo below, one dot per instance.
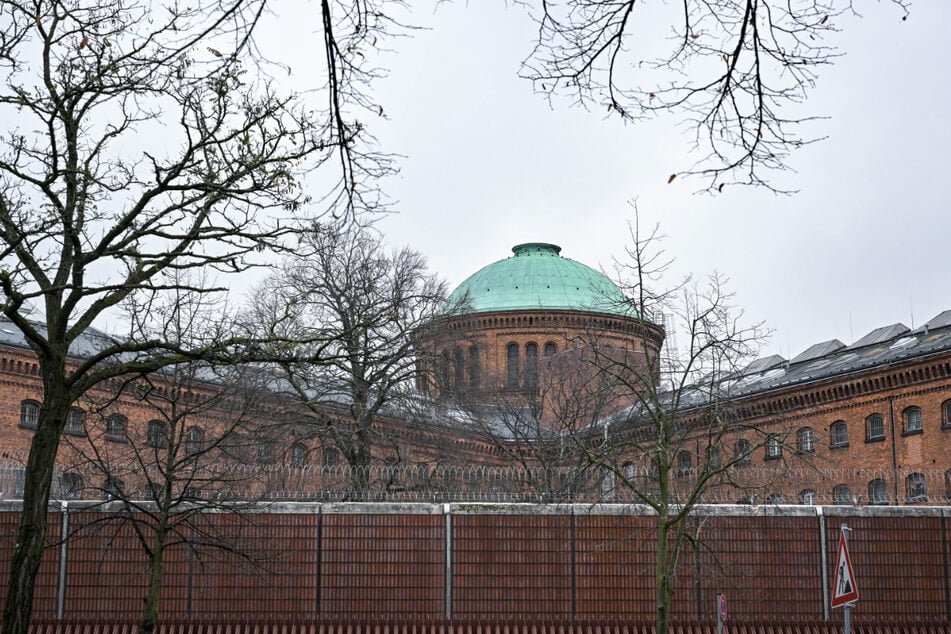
(847, 625)
(447, 510)
(823, 557)
(63, 554)
(719, 615)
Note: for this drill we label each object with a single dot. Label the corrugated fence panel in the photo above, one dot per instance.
(512, 565)
(44, 597)
(763, 564)
(615, 565)
(107, 570)
(898, 563)
(269, 570)
(383, 564)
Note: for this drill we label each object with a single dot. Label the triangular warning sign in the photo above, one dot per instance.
(844, 589)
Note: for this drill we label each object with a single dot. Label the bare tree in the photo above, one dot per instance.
(134, 144)
(198, 427)
(359, 306)
(736, 70)
(678, 442)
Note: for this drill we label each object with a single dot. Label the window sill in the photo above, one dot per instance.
(875, 439)
(30, 427)
(913, 432)
(805, 452)
(113, 438)
(844, 445)
(776, 457)
(78, 434)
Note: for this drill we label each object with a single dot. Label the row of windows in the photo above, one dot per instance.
(116, 424)
(512, 361)
(916, 490)
(839, 432)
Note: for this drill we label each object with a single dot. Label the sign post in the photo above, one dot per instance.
(721, 612)
(845, 592)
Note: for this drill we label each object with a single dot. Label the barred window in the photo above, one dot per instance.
(157, 434)
(116, 426)
(875, 427)
(946, 414)
(916, 487)
(298, 455)
(805, 440)
(912, 420)
(29, 414)
(75, 422)
(742, 451)
(774, 447)
(684, 464)
(551, 349)
(842, 495)
(808, 497)
(839, 432)
(193, 439)
(877, 492)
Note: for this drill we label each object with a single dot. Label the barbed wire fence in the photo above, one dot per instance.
(501, 484)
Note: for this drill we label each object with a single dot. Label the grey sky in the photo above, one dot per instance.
(489, 165)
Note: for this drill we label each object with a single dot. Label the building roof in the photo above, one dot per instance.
(537, 277)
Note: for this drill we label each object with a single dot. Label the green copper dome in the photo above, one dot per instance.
(538, 278)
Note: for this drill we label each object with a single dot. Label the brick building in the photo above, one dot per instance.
(866, 423)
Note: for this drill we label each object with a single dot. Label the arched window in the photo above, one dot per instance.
(445, 372)
(551, 349)
(265, 453)
(72, 484)
(29, 414)
(841, 495)
(742, 451)
(805, 440)
(684, 464)
(511, 374)
(875, 427)
(475, 368)
(629, 471)
(775, 498)
(608, 485)
(458, 369)
(877, 492)
(157, 434)
(713, 457)
(193, 438)
(839, 433)
(774, 447)
(112, 488)
(116, 426)
(75, 422)
(329, 457)
(912, 416)
(916, 487)
(531, 365)
(298, 455)
(808, 497)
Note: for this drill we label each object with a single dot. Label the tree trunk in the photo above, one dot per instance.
(156, 564)
(663, 594)
(31, 533)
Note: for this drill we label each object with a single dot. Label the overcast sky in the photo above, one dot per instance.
(863, 244)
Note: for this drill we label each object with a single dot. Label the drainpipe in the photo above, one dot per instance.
(63, 554)
(891, 416)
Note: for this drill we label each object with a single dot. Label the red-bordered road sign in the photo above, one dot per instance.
(844, 589)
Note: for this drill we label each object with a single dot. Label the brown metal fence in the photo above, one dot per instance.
(469, 562)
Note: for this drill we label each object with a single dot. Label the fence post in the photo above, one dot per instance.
(823, 558)
(63, 553)
(447, 510)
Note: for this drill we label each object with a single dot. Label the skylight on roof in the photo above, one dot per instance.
(904, 342)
